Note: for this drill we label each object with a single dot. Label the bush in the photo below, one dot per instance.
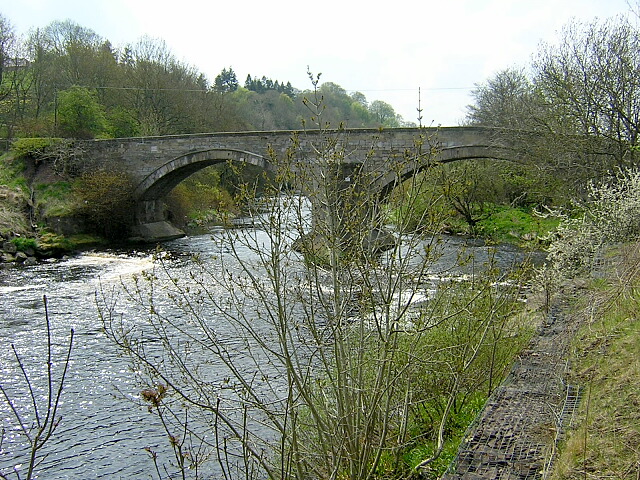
(34, 148)
(612, 215)
(24, 244)
(105, 200)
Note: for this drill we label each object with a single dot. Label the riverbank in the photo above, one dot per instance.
(9, 251)
(604, 439)
(516, 434)
(569, 407)
(44, 207)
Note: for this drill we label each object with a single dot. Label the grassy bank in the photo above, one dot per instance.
(605, 439)
(520, 226)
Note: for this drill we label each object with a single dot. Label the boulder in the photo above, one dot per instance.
(156, 232)
(9, 247)
(30, 262)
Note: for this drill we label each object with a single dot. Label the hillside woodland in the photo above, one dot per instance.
(64, 80)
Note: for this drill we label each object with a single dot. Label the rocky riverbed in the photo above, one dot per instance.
(9, 253)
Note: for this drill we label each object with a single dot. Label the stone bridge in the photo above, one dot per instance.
(158, 164)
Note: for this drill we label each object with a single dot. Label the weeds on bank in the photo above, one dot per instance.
(605, 442)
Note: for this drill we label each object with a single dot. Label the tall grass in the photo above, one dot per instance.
(605, 442)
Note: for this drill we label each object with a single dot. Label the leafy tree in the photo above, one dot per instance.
(42, 72)
(80, 114)
(383, 114)
(465, 189)
(262, 85)
(122, 123)
(360, 99)
(610, 216)
(361, 114)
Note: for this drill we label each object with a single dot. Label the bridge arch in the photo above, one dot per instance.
(386, 183)
(156, 186)
(162, 180)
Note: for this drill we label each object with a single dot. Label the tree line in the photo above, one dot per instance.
(572, 117)
(66, 80)
(578, 101)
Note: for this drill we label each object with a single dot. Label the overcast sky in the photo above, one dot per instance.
(384, 49)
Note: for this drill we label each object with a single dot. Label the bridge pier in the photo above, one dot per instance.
(346, 220)
(151, 225)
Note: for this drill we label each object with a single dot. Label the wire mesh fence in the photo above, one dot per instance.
(516, 435)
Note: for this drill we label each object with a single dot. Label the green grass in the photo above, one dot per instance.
(605, 441)
(54, 199)
(14, 196)
(515, 225)
(12, 172)
(455, 429)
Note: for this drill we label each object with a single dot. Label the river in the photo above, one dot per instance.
(103, 432)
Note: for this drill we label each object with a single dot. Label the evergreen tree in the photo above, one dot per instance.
(226, 81)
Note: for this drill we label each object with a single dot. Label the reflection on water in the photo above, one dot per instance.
(100, 435)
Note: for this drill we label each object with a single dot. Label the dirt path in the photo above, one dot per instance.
(517, 433)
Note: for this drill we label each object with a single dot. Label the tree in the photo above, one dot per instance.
(591, 80)
(12, 76)
(578, 117)
(334, 340)
(506, 100)
(226, 81)
(166, 94)
(384, 114)
(7, 54)
(80, 115)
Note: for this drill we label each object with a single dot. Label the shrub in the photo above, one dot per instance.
(34, 148)
(105, 200)
(62, 154)
(24, 244)
(611, 215)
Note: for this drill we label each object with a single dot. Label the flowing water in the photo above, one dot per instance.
(103, 432)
